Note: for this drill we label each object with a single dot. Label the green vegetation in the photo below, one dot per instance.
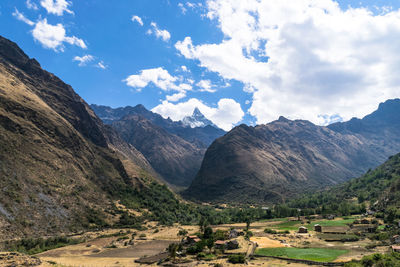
(237, 258)
(274, 232)
(34, 246)
(352, 196)
(314, 254)
(339, 237)
(289, 225)
(389, 260)
(342, 222)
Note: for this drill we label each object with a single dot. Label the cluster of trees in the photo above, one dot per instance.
(38, 245)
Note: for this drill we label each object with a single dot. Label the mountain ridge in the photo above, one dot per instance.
(271, 162)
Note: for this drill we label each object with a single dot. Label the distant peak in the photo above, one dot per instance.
(197, 112)
(283, 119)
(197, 120)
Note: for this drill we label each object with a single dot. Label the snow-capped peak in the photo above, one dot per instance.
(197, 120)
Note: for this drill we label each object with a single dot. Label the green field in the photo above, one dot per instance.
(294, 225)
(289, 225)
(313, 254)
(333, 222)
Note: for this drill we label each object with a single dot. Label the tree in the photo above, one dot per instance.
(210, 244)
(208, 232)
(182, 232)
(172, 249)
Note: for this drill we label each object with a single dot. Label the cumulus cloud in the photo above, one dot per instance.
(304, 59)
(160, 34)
(56, 7)
(159, 77)
(227, 113)
(54, 36)
(22, 17)
(83, 60)
(176, 97)
(137, 19)
(206, 86)
(31, 5)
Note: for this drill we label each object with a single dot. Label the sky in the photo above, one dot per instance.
(238, 61)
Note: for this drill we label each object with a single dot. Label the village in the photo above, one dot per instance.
(300, 241)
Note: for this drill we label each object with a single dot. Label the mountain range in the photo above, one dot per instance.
(278, 160)
(64, 164)
(175, 149)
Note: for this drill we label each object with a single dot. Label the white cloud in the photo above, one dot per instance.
(227, 113)
(83, 60)
(184, 69)
(305, 58)
(206, 86)
(193, 6)
(22, 18)
(54, 36)
(101, 65)
(31, 5)
(182, 7)
(56, 7)
(137, 19)
(176, 97)
(161, 34)
(159, 77)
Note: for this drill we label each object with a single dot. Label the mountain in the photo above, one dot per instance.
(275, 161)
(201, 136)
(61, 168)
(174, 158)
(197, 120)
(380, 187)
(174, 150)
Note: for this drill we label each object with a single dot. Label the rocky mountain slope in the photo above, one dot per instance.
(174, 158)
(59, 164)
(173, 149)
(200, 136)
(275, 161)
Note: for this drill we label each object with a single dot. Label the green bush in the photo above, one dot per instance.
(238, 258)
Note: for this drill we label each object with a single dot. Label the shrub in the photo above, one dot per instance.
(270, 231)
(238, 258)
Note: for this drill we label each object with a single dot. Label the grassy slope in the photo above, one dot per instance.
(314, 254)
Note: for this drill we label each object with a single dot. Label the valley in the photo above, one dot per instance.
(89, 185)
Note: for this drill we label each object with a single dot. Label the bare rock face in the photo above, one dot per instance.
(174, 149)
(273, 162)
(57, 159)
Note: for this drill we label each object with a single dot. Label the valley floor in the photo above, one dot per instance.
(122, 247)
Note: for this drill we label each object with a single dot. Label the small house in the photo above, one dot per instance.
(219, 244)
(318, 228)
(396, 248)
(233, 244)
(303, 230)
(396, 239)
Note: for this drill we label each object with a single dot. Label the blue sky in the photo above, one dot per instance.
(132, 61)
